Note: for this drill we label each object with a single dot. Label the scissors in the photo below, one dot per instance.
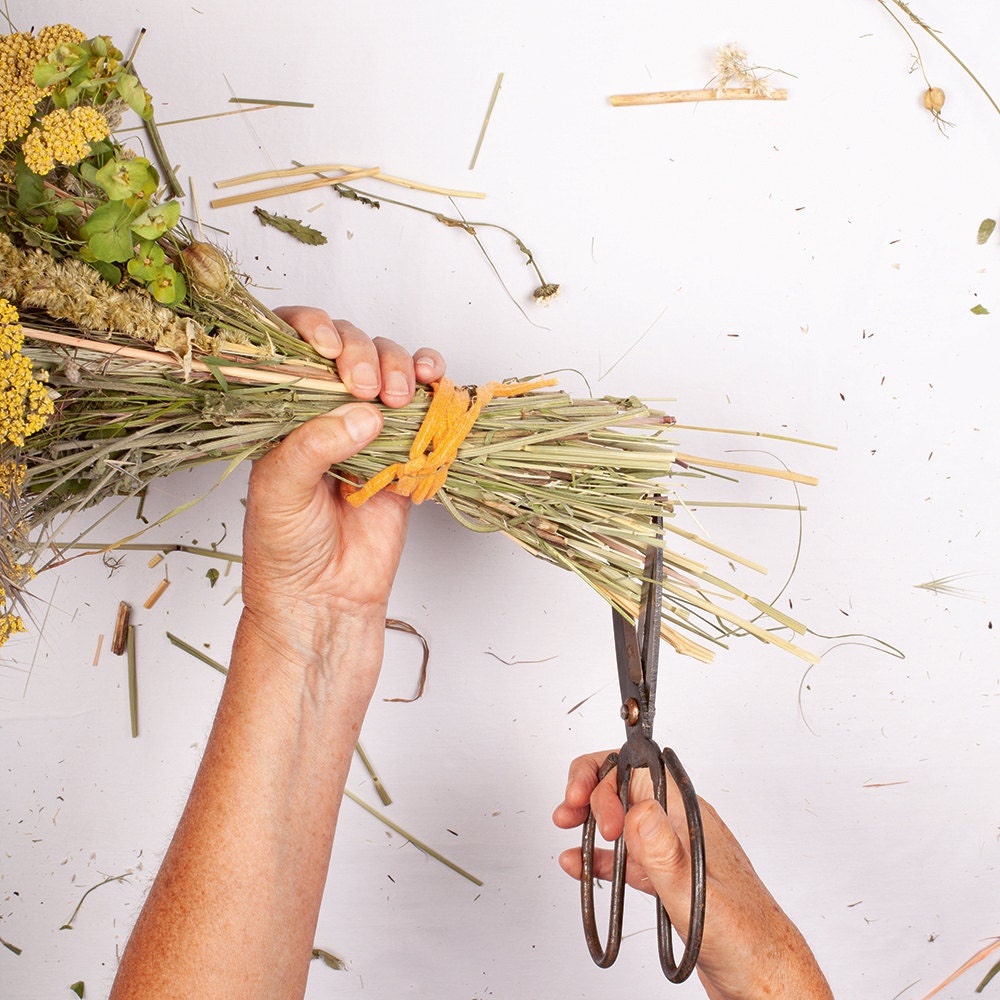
(637, 647)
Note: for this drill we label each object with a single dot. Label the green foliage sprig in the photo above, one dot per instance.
(69, 187)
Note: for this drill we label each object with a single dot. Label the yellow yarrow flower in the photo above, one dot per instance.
(20, 52)
(63, 137)
(11, 478)
(25, 405)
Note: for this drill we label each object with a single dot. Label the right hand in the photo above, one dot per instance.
(750, 947)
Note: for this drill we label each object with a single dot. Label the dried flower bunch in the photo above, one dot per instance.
(733, 66)
(131, 351)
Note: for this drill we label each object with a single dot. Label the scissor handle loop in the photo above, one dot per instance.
(679, 971)
(605, 955)
(601, 954)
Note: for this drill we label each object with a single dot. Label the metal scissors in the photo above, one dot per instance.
(637, 647)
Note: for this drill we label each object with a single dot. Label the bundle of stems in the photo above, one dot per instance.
(577, 482)
(153, 357)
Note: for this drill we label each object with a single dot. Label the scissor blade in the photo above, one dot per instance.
(629, 654)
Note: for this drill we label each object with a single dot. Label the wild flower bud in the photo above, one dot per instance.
(934, 99)
(207, 267)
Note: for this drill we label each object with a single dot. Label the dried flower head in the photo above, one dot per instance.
(25, 405)
(733, 66)
(546, 293)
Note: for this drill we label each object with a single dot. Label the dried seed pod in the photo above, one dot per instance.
(934, 99)
(207, 267)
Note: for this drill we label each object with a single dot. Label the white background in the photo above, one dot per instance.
(805, 268)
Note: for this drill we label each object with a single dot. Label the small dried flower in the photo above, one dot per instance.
(732, 65)
(546, 293)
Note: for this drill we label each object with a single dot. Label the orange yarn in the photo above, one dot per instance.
(451, 415)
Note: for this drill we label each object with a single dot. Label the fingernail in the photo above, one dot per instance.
(326, 340)
(362, 422)
(424, 366)
(396, 384)
(365, 377)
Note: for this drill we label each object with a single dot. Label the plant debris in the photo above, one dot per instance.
(395, 625)
(329, 960)
(68, 926)
(119, 637)
(420, 845)
(294, 227)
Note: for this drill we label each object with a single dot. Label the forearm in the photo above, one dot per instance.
(245, 872)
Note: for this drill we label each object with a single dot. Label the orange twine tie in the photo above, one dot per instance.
(451, 415)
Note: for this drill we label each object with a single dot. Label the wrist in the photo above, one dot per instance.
(334, 656)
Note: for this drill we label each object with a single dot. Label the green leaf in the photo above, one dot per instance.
(300, 231)
(148, 263)
(156, 220)
(212, 576)
(63, 206)
(986, 228)
(132, 92)
(111, 274)
(31, 190)
(168, 287)
(121, 179)
(980, 310)
(77, 988)
(107, 232)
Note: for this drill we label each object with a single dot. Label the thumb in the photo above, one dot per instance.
(653, 844)
(292, 470)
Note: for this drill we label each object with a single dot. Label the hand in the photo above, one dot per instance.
(750, 947)
(308, 554)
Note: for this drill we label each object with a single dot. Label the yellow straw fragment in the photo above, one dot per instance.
(277, 192)
(688, 96)
(156, 594)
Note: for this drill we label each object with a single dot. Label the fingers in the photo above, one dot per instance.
(580, 784)
(289, 474)
(655, 847)
(370, 369)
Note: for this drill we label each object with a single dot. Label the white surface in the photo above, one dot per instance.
(805, 268)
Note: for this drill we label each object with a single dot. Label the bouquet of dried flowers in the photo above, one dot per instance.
(131, 350)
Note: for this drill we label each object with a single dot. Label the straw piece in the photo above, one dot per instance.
(268, 102)
(119, 638)
(133, 693)
(197, 654)
(97, 652)
(416, 843)
(975, 960)
(486, 121)
(383, 792)
(757, 470)
(241, 373)
(276, 192)
(688, 96)
(156, 594)
(320, 168)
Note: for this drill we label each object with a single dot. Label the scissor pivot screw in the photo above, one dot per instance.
(630, 712)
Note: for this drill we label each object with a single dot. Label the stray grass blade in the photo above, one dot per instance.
(68, 926)
(197, 653)
(416, 843)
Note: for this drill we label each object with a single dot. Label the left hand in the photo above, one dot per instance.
(309, 554)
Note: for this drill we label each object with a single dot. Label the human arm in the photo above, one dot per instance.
(750, 949)
(233, 908)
